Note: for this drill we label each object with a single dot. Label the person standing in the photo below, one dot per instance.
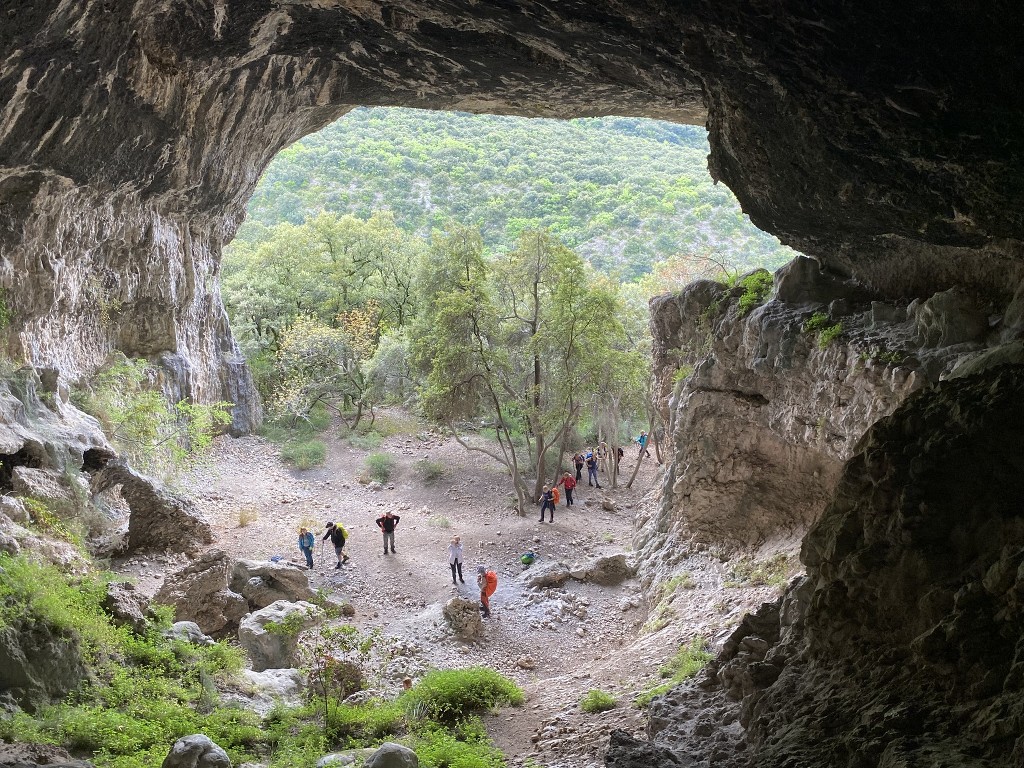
(338, 535)
(592, 470)
(578, 460)
(643, 443)
(387, 523)
(488, 583)
(306, 544)
(569, 484)
(548, 499)
(455, 558)
(602, 456)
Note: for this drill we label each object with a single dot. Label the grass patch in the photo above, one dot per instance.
(379, 466)
(679, 581)
(597, 701)
(439, 521)
(658, 619)
(428, 471)
(821, 325)
(756, 288)
(300, 446)
(364, 441)
(748, 572)
(247, 516)
(142, 693)
(465, 746)
(687, 662)
(452, 695)
(304, 454)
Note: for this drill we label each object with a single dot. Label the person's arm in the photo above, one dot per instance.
(397, 518)
(380, 523)
(327, 535)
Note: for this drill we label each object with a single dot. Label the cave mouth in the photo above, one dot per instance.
(23, 457)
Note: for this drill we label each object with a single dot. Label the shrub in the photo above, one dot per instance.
(247, 516)
(597, 701)
(379, 466)
(367, 441)
(467, 746)
(765, 573)
(820, 324)
(756, 288)
(428, 471)
(356, 724)
(439, 521)
(451, 695)
(687, 662)
(304, 454)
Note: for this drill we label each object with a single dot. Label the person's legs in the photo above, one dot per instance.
(568, 497)
(309, 558)
(453, 572)
(390, 537)
(485, 604)
(458, 564)
(385, 543)
(579, 474)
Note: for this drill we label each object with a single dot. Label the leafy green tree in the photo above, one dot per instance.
(520, 338)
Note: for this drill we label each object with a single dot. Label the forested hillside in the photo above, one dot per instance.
(624, 193)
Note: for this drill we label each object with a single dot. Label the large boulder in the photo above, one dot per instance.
(56, 490)
(607, 570)
(125, 606)
(196, 751)
(199, 593)
(391, 755)
(37, 755)
(463, 616)
(38, 664)
(546, 575)
(263, 583)
(159, 520)
(271, 634)
(189, 632)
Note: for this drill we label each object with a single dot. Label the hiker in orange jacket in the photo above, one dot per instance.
(488, 582)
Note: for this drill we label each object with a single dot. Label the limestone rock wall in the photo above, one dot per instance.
(902, 645)
(761, 416)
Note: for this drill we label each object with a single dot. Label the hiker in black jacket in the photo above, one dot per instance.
(387, 523)
(337, 534)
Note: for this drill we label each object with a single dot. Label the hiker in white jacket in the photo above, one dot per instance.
(455, 558)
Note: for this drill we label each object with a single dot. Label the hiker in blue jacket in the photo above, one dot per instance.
(306, 544)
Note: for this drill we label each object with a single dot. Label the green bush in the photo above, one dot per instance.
(748, 572)
(366, 441)
(819, 323)
(597, 701)
(687, 662)
(756, 288)
(142, 694)
(466, 746)
(305, 454)
(379, 466)
(362, 724)
(428, 471)
(452, 695)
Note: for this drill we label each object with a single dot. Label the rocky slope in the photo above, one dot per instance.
(762, 411)
(902, 645)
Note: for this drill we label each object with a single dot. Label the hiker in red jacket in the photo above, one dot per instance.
(488, 582)
(568, 482)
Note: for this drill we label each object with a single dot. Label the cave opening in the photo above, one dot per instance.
(23, 457)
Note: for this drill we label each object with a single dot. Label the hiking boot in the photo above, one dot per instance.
(385, 551)
(462, 580)
(392, 550)
(337, 566)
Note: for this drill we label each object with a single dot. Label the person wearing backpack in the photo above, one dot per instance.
(578, 461)
(549, 504)
(592, 470)
(569, 484)
(488, 583)
(338, 535)
(306, 544)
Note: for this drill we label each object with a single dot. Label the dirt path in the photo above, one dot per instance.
(556, 643)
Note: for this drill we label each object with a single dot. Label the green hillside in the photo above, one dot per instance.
(623, 192)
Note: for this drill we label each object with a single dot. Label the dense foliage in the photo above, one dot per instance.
(143, 692)
(624, 193)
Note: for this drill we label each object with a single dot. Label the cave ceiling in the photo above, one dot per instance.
(886, 140)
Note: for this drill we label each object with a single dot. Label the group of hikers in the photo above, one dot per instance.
(595, 462)
(486, 579)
